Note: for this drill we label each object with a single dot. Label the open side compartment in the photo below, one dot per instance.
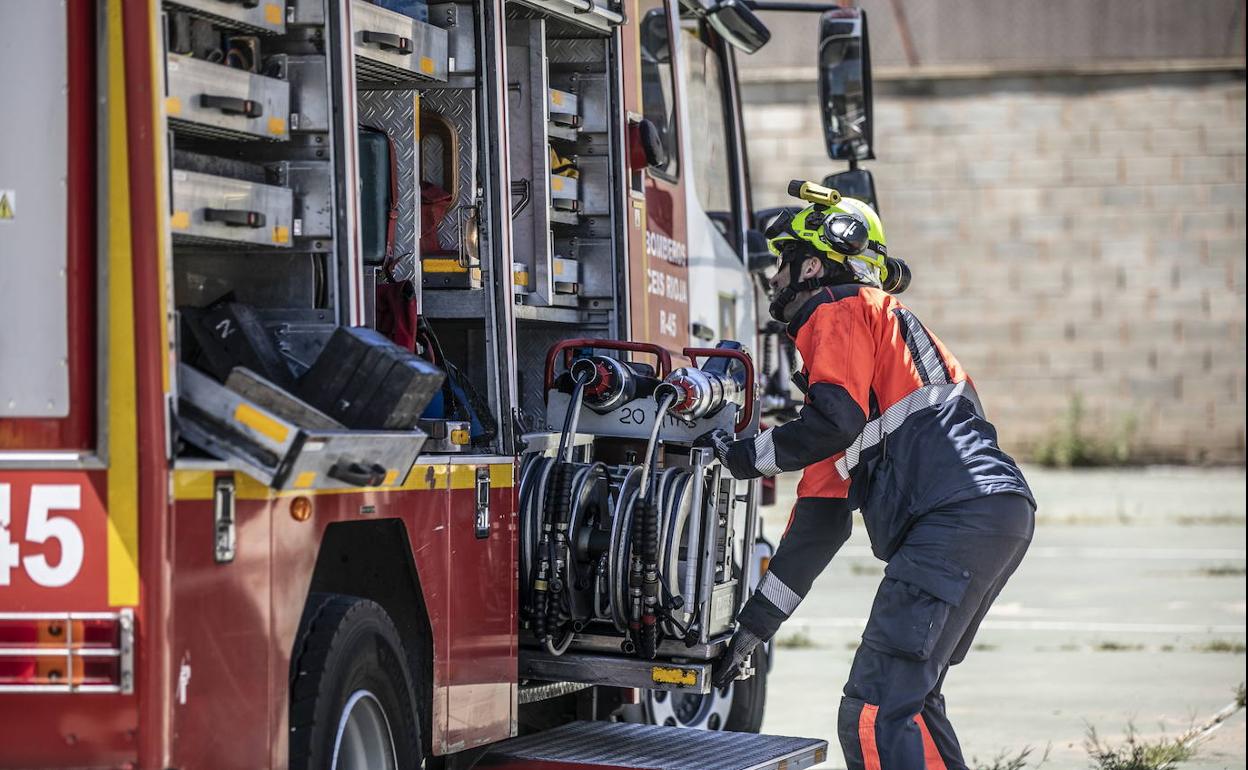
(263, 217)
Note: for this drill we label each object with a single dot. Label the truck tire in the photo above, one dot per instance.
(749, 699)
(352, 703)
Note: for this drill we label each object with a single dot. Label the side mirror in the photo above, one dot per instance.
(855, 183)
(845, 84)
(737, 24)
(758, 256)
(645, 145)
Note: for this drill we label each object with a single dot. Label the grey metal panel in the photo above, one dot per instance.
(309, 93)
(310, 12)
(585, 14)
(598, 274)
(595, 106)
(395, 113)
(458, 109)
(273, 280)
(189, 80)
(195, 193)
(312, 182)
(530, 157)
(576, 51)
(596, 190)
(461, 32)
(425, 60)
(266, 16)
(634, 420)
(34, 376)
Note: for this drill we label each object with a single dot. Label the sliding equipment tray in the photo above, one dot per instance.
(285, 455)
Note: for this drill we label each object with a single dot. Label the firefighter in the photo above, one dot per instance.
(892, 426)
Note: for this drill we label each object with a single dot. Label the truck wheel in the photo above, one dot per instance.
(749, 698)
(352, 704)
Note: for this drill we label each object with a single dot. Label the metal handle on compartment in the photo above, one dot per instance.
(747, 411)
(566, 347)
(244, 3)
(357, 473)
(388, 41)
(231, 105)
(235, 217)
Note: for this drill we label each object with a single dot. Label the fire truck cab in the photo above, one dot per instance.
(352, 358)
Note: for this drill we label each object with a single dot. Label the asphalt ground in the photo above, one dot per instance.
(1128, 610)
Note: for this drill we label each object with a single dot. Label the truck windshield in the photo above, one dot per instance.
(708, 104)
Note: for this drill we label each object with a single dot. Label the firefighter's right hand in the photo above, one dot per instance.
(719, 439)
(729, 665)
(734, 455)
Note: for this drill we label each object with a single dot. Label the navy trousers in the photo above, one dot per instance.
(936, 590)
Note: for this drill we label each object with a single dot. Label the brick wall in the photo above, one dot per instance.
(1072, 237)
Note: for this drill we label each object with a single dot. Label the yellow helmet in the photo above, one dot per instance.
(848, 232)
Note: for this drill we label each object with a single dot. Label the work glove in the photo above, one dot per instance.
(732, 454)
(728, 666)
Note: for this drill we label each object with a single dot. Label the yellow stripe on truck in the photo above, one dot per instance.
(123, 456)
(261, 423)
(198, 484)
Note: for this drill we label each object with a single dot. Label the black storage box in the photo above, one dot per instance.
(364, 380)
(217, 338)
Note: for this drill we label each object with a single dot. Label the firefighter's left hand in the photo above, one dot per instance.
(728, 666)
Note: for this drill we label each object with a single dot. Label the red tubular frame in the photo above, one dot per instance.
(747, 411)
(566, 346)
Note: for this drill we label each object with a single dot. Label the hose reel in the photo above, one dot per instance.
(619, 550)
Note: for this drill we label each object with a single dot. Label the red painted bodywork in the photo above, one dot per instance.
(58, 729)
(77, 430)
(236, 623)
(664, 216)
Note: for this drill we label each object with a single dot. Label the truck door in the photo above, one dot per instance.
(657, 224)
(721, 299)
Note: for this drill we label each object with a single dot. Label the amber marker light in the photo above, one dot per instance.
(301, 508)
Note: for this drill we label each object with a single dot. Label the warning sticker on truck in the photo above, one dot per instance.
(8, 204)
(685, 677)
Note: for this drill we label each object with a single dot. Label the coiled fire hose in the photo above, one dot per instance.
(644, 575)
(549, 600)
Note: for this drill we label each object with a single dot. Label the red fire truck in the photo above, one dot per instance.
(351, 357)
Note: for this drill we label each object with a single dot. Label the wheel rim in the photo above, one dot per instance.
(707, 711)
(364, 741)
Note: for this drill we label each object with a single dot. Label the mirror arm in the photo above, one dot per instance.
(790, 7)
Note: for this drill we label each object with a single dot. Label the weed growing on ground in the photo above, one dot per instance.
(1222, 645)
(1135, 753)
(1019, 761)
(1239, 695)
(798, 640)
(1070, 445)
(1112, 646)
(1212, 520)
(1223, 570)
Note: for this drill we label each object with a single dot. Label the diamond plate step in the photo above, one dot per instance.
(626, 746)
